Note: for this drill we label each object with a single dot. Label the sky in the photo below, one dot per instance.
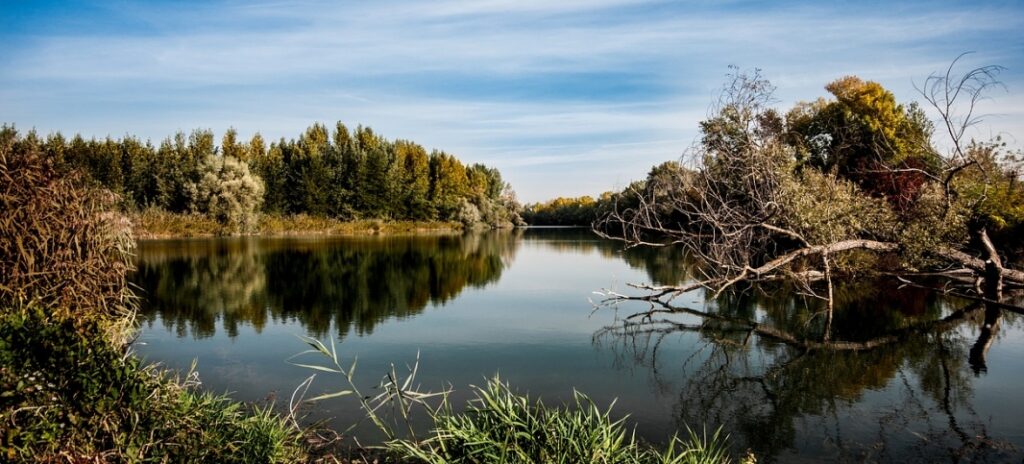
(565, 98)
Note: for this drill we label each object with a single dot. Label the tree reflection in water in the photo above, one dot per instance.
(352, 283)
(780, 400)
(913, 398)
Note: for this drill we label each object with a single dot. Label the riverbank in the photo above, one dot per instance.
(157, 224)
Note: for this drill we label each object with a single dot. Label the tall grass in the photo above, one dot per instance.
(158, 223)
(501, 426)
(61, 245)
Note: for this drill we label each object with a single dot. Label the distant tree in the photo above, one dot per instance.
(271, 168)
(311, 173)
(140, 182)
(353, 161)
(255, 149)
(416, 176)
(229, 146)
(372, 194)
(448, 184)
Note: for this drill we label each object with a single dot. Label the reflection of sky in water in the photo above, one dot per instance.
(529, 319)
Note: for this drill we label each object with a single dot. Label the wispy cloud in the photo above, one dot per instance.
(542, 90)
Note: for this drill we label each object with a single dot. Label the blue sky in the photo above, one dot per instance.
(564, 97)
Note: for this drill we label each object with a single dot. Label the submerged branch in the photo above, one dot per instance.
(775, 333)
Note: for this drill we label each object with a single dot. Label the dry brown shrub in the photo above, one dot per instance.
(62, 244)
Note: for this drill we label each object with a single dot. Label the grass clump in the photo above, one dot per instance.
(500, 426)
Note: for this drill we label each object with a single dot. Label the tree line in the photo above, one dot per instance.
(335, 173)
(585, 210)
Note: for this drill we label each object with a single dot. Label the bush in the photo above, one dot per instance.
(468, 214)
(68, 395)
(228, 192)
(825, 208)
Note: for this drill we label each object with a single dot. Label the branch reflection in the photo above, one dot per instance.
(910, 398)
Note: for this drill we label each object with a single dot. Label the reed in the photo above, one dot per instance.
(61, 245)
(501, 426)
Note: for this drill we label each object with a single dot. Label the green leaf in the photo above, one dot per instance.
(318, 368)
(331, 395)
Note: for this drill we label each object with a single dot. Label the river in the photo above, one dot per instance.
(521, 304)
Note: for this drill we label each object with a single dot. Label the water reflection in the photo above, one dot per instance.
(942, 388)
(354, 283)
(912, 398)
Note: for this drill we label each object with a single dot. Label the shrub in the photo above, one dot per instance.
(68, 395)
(228, 192)
(824, 208)
(468, 214)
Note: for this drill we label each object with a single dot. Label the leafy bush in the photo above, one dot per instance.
(824, 208)
(468, 214)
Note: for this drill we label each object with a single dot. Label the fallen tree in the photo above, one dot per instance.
(832, 189)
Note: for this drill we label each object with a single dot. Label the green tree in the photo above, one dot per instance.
(448, 184)
(229, 146)
(866, 136)
(416, 175)
(271, 168)
(255, 149)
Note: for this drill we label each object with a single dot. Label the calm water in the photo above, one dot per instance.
(518, 304)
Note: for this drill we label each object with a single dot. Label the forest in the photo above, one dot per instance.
(340, 174)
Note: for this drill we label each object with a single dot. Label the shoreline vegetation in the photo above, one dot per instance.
(158, 224)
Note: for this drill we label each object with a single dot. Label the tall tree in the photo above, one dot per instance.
(229, 146)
